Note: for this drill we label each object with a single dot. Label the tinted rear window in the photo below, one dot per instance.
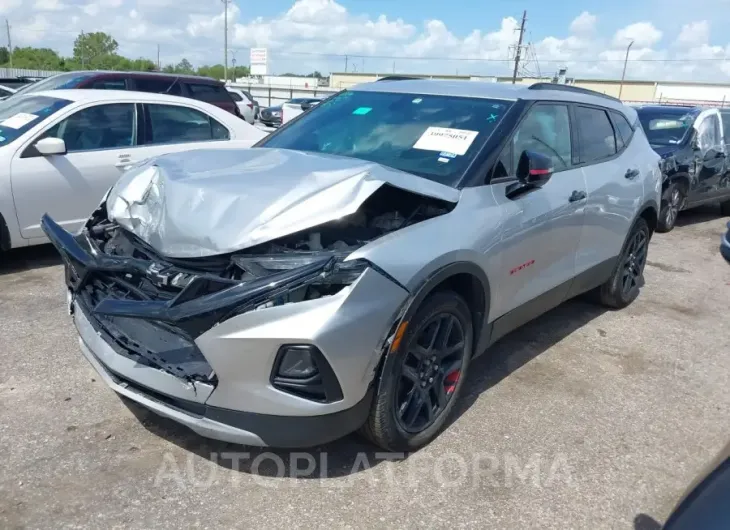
(209, 93)
(158, 86)
(596, 134)
(109, 83)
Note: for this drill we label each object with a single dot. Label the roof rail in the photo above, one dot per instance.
(570, 88)
(397, 78)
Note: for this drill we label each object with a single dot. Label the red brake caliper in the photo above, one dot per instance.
(451, 380)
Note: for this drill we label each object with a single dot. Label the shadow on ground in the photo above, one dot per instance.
(701, 214)
(353, 454)
(646, 522)
(29, 258)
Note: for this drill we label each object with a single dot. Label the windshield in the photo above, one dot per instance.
(435, 137)
(70, 80)
(20, 115)
(665, 127)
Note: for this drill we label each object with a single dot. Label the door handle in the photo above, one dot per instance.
(632, 174)
(577, 196)
(124, 164)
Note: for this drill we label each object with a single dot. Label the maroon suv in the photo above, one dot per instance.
(189, 86)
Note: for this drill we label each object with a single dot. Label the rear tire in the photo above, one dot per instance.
(672, 202)
(419, 386)
(623, 286)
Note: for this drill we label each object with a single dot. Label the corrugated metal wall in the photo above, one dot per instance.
(22, 72)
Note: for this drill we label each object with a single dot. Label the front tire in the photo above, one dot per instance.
(672, 202)
(623, 286)
(421, 381)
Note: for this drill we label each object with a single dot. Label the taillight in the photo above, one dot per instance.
(250, 105)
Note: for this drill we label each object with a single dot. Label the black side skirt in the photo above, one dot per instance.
(584, 282)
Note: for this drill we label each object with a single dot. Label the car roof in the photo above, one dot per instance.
(493, 90)
(86, 94)
(678, 109)
(186, 77)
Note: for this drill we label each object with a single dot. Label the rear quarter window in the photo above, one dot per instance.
(158, 86)
(209, 93)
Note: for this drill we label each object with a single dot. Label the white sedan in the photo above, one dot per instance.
(61, 150)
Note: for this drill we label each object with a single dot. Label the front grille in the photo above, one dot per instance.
(148, 342)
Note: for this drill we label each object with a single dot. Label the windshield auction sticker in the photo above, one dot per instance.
(456, 141)
(21, 119)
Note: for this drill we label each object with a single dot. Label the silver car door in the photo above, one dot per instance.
(541, 228)
(614, 171)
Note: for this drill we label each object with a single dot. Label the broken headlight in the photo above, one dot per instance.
(343, 273)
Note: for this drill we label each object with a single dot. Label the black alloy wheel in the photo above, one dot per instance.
(422, 374)
(627, 278)
(430, 370)
(672, 202)
(634, 262)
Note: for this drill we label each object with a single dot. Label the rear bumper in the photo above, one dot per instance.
(177, 403)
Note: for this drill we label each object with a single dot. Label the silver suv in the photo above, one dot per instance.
(343, 274)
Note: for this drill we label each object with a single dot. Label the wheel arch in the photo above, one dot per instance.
(466, 279)
(5, 242)
(650, 212)
(680, 177)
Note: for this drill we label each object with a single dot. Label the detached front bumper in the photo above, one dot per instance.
(239, 403)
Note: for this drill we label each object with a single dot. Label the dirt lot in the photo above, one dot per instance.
(583, 419)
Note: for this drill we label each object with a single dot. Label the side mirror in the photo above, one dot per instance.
(306, 106)
(534, 169)
(51, 146)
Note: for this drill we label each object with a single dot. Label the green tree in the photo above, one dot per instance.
(92, 49)
(184, 67)
(4, 55)
(37, 59)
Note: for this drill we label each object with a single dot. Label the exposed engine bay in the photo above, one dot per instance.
(387, 210)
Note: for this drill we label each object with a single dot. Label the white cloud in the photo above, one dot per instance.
(316, 34)
(694, 34)
(644, 34)
(583, 23)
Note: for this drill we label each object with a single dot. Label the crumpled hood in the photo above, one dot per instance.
(207, 202)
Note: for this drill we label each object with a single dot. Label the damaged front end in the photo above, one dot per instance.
(151, 308)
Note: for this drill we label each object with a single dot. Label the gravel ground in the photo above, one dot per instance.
(583, 419)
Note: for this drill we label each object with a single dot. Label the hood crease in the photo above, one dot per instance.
(206, 202)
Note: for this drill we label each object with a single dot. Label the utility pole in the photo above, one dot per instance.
(10, 43)
(518, 51)
(623, 76)
(225, 40)
(345, 63)
(83, 44)
(233, 66)
(158, 59)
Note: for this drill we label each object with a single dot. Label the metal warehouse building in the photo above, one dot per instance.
(633, 91)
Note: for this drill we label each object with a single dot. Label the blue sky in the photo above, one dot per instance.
(477, 37)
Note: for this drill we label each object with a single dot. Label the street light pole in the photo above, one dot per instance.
(623, 76)
(225, 40)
